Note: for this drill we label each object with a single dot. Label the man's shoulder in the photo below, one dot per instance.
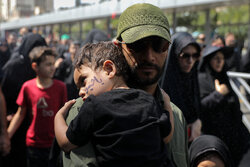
(83, 156)
(177, 113)
(74, 110)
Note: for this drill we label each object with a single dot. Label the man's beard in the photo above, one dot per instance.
(135, 81)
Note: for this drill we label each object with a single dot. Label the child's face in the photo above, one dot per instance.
(91, 82)
(46, 68)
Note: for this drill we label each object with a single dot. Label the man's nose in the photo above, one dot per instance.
(149, 54)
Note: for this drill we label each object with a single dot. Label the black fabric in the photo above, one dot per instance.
(126, 127)
(232, 58)
(245, 62)
(4, 55)
(205, 144)
(61, 50)
(16, 71)
(65, 73)
(245, 67)
(95, 36)
(1, 75)
(221, 115)
(182, 88)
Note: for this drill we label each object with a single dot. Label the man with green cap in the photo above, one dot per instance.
(143, 33)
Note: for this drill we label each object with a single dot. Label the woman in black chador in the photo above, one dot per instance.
(221, 115)
(208, 149)
(180, 79)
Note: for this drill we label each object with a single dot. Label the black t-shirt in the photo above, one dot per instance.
(126, 127)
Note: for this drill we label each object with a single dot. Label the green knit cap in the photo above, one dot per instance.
(142, 20)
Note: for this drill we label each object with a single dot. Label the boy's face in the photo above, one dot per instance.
(90, 81)
(46, 68)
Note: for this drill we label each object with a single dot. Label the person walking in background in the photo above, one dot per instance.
(40, 98)
(12, 42)
(180, 79)
(232, 53)
(95, 35)
(201, 40)
(65, 71)
(125, 125)
(218, 40)
(221, 115)
(209, 151)
(4, 52)
(16, 71)
(63, 46)
(143, 34)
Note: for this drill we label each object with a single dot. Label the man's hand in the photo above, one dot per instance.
(221, 88)
(4, 144)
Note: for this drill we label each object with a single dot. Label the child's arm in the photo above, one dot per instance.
(17, 120)
(168, 107)
(61, 127)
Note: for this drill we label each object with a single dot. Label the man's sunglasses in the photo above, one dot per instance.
(158, 44)
(187, 55)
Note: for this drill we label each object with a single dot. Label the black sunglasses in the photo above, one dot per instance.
(187, 55)
(158, 44)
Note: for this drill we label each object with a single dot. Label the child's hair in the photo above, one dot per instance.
(94, 55)
(39, 53)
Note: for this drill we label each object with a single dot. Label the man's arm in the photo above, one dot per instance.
(168, 107)
(4, 138)
(61, 127)
(17, 120)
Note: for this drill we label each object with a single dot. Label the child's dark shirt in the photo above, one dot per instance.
(126, 127)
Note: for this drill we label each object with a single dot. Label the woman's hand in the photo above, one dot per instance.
(195, 129)
(221, 88)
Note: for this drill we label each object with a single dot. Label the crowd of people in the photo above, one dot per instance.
(146, 98)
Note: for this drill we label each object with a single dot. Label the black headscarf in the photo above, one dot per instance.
(4, 55)
(95, 36)
(204, 67)
(182, 88)
(18, 69)
(205, 144)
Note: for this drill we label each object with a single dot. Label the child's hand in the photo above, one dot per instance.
(64, 110)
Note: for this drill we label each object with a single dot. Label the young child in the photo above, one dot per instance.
(125, 125)
(40, 98)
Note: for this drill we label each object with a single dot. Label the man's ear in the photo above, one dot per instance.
(109, 68)
(115, 41)
(34, 66)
